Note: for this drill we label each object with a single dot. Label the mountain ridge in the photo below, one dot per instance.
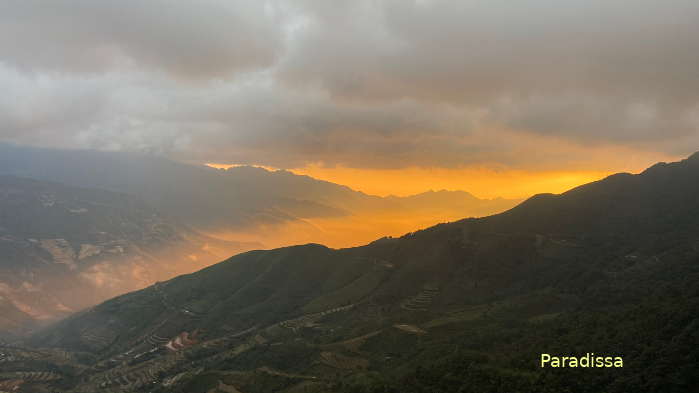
(467, 306)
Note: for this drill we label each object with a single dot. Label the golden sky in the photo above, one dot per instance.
(362, 227)
(482, 182)
(540, 165)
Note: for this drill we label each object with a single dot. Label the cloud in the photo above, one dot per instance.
(617, 56)
(473, 50)
(370, 84)
(203, 39)
(31, 106)
(594, 119)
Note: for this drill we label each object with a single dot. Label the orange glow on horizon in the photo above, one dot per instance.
(361, 227)
(348, 231)
(482, 182)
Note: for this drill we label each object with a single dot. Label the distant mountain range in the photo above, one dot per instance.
(610, 268)
(92, 225)
(249, 203)
(65, 248)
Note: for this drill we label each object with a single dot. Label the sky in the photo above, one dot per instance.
(500, 98)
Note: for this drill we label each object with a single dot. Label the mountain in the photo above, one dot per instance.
(64, 248)
(12, 319)
(247, 203)
(609, 268)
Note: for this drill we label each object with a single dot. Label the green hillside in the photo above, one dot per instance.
(610, 268)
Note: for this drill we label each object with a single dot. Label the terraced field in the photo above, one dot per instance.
(309, 320)
(421, 301)
(97, 338)
(343, 362)
(31, 376)
(146, 363)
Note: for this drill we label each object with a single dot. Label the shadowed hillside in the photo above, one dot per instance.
(611, 268)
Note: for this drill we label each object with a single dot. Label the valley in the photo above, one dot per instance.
(467, 306)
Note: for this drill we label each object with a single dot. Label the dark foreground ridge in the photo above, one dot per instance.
(610, 268)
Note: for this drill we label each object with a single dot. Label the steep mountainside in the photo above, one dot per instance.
(242, 199)
(65, 248)
(610, 268)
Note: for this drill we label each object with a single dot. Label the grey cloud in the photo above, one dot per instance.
(42, 106)
(203, 39)
(616, 55)
(595, 118)
(267, 125)
(474, 50)
(363, 83)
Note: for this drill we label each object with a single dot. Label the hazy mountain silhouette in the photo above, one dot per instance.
(240, 199)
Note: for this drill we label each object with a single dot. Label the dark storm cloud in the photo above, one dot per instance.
(364, 83)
